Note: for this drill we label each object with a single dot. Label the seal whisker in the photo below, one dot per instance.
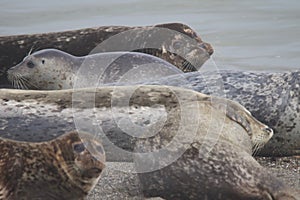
(25, 82)
(187, 66)
(256, 148)
(31, 50)
(14, 78)
(14, 83)
(19, 82)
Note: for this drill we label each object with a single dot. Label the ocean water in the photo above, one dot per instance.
(246, 35)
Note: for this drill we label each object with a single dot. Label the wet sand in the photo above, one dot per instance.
(115, 184)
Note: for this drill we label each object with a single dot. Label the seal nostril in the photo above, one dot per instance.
(30, 64)
(202, 45)
(269, 130)
(207, 47)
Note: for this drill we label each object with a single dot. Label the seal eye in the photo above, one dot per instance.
(43, 61)
(79, 147)
(30, 64)
(177, 45)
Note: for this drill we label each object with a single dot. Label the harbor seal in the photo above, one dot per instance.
(67, 167)
(81, 42)
(55, 111)
(272, 98)
(217, 164)
(51, 69)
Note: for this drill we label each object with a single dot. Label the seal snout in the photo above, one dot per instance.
(207, 47)
(269, 131)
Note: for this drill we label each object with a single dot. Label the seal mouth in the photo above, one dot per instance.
(18, 80)
(262, 139)
(92, 172)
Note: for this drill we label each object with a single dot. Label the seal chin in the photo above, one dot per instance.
(197, 57)
(92, 173)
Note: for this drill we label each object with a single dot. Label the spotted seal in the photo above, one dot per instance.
(217, 164)
(81, 42)
(67, 167)
(272, 98)
(52, 69)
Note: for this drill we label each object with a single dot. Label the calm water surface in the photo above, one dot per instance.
(247, 35)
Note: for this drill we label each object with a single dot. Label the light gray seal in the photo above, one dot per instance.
(82, 41)
(51, 69)
(62, 168)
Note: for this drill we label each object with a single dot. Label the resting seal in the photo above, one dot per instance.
(61, 168)
(272, 98)
(217, 164)
(81, 42)
(51, 69)
(51, 111)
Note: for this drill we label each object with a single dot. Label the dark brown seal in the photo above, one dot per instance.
(66, 167)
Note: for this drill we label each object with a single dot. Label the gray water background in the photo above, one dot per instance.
(246, 35)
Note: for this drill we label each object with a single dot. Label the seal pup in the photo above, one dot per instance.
(66, 167)
(52, 69)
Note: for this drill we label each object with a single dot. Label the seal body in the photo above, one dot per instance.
(62, 168)
(51, 69)
(217, 164)
(226, 173)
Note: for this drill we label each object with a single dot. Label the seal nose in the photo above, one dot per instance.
(269, 130)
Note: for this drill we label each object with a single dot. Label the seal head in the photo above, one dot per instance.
(45, 69)
(258, 132)
(67, 167)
